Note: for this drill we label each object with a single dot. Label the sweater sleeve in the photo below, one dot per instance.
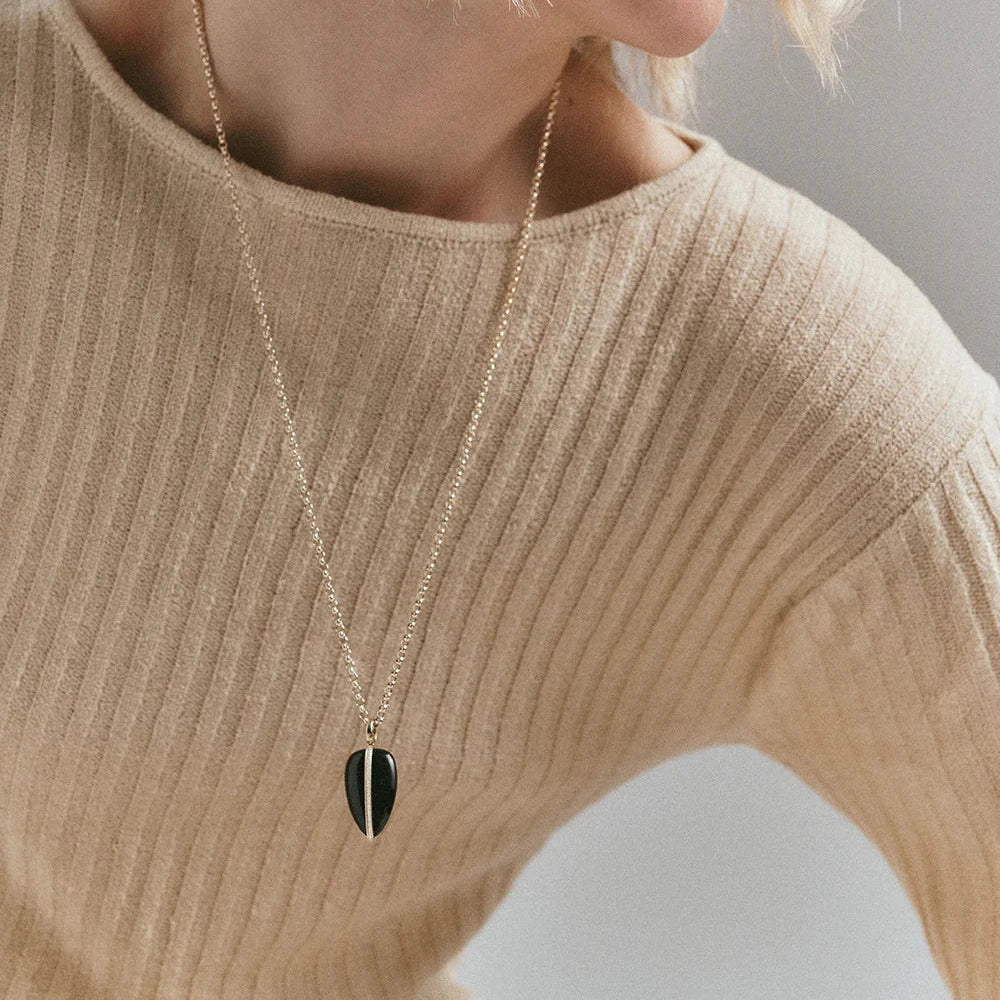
(880, 689)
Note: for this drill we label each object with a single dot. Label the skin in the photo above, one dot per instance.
(413, 105)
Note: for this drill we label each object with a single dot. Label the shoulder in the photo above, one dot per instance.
(848, 388)
(771, 242)
(837, 316)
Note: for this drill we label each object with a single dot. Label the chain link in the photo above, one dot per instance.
(371, 724)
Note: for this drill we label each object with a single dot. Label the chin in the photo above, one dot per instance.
(672, 28)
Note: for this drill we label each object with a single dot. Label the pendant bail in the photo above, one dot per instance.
(370, 729)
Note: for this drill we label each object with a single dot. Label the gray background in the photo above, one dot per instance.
(719, 874)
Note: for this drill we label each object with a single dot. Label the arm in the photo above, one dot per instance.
(880, 688)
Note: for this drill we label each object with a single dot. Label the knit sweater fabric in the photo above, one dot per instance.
(736, 481)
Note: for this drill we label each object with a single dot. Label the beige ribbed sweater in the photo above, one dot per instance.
(736, 482)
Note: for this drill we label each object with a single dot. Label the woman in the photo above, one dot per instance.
(684, 461)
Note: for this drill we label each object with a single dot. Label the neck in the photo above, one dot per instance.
(414, 109)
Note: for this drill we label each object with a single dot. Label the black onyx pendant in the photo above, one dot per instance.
(370, 777)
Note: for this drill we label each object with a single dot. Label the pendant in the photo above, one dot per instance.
(370, 777)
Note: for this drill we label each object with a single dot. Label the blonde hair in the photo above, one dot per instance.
(671, 81)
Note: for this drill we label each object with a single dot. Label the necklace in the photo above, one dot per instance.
(370, 775)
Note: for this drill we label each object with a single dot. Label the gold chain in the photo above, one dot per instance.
(371, 725)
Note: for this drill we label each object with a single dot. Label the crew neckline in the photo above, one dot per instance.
(337, 209)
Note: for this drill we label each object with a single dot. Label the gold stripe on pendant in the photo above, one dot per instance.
(368, 793)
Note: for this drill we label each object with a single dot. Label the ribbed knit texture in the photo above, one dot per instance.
(736, 482)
